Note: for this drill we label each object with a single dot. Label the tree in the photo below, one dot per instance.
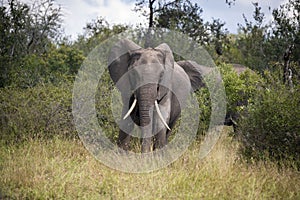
(186, 17)
(252, 40)
(230, 2)
(183, 16)
(286, 35)
(155, 6)
(26, 29)
(262, 44)
(95, 32)
(218, 36)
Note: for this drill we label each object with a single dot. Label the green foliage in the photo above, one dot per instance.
(268, 113)
(204, 103)
(97, 31)
(274, 75)
(240, 89)
(183, 16)
(186, 17)
(25, 29)
(231, 52)
(286, 29)
(65, 59)
(104, 106)
(218, 38)
(252, 41)
(234, 87)
(261, 43)
(37, 72)
(271, 129)
(53, 67)
(39, 112)
(29, 73)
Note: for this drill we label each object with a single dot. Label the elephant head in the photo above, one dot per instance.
(148, 80)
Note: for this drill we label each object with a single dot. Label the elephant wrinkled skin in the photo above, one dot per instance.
(148, 80)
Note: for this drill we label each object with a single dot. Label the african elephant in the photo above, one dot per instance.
(153, 88)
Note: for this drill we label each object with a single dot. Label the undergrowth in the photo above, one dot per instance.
(64, 169)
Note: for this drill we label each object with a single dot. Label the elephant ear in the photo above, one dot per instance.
(169, 59)
(195, 72)
(119, 57)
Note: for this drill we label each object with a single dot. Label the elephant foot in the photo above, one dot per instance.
(160, 140)
(146, 145)
(124, 141)
(125, 146)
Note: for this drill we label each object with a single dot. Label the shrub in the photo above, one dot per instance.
(271, 128)
(41, 111)
(52, 67)
(104, 105)
(240, 90)
(204, 103)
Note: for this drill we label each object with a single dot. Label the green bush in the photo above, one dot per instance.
(271, 128)
(45, 110)
(240, 89)
(104, 105)
(52, 67)
(204, 103)
(42, 111)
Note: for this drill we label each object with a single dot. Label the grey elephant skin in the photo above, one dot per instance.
(154, 89)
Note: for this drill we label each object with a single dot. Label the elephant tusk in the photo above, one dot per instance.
(131, 109)
(160, 115)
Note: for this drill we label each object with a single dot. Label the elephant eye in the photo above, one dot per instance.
(135, 56)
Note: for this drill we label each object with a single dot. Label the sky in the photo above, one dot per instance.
(77, 13)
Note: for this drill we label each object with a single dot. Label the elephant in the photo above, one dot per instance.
(153, 88)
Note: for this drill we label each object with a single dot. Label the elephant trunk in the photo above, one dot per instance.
(146, 95)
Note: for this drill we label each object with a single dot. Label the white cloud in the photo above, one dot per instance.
(78, 12)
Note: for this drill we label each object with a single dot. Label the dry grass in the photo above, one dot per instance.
(61, 169)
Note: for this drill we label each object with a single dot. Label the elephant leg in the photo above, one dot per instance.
(159, 128)
(126, 126)
(174, 115)
(146, 145)
(168, 135)
(160, 139)
(124, 140)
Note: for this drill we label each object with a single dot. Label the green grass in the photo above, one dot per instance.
(64, 169)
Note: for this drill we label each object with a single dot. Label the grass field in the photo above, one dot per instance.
(64, 169)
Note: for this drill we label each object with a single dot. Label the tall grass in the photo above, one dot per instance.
(63, 169)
